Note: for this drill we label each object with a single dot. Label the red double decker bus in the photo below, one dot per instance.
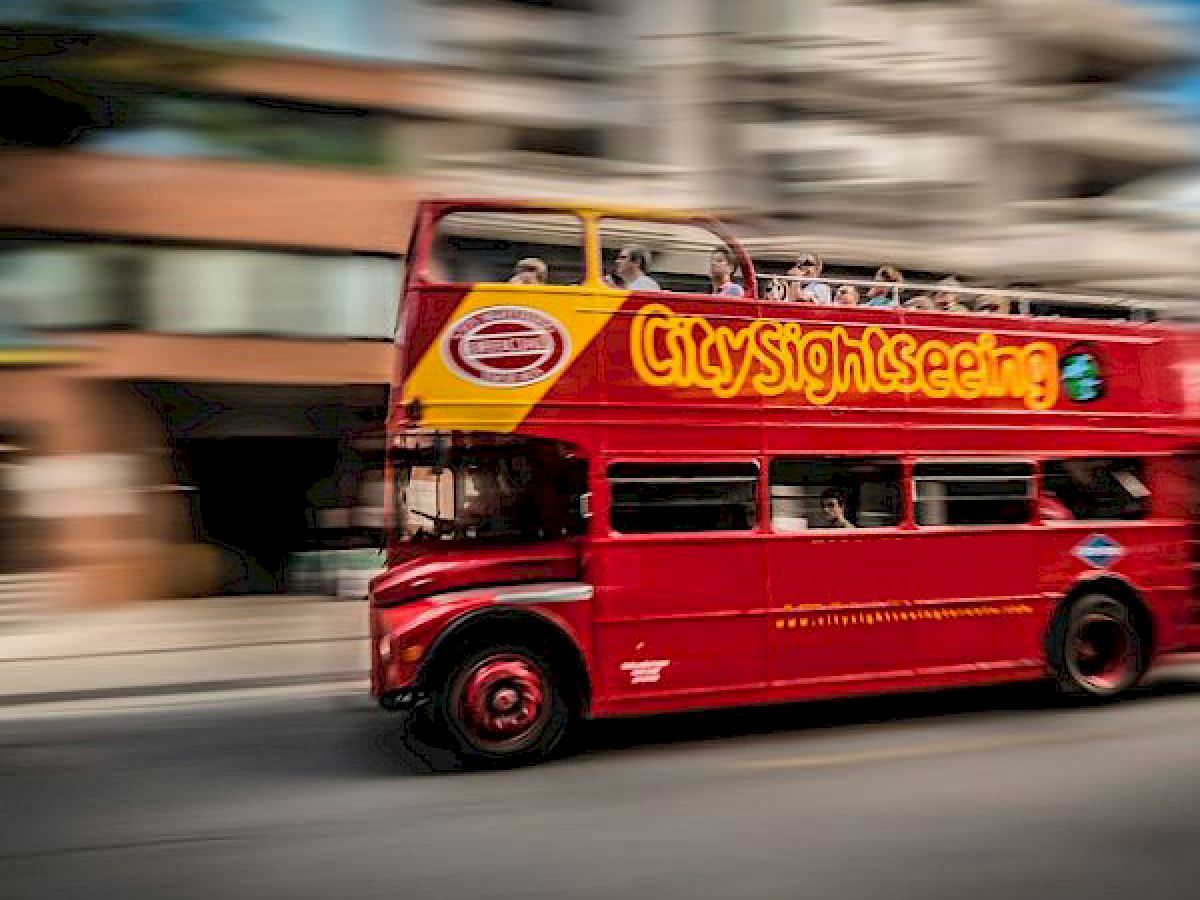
(612, 502)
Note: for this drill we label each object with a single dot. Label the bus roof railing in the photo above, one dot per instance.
(1134, 307)
(1024, 298)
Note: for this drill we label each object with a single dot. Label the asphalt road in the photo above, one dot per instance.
(976, 794)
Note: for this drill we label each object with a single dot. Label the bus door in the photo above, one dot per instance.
(970, 568)
(836, 564)
(679, 583)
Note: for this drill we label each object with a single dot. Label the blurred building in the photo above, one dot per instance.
(210, 200)
(1001, 139)
(1008, 140)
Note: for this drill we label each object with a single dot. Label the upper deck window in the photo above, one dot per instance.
(973, 493)
(507, 247)
(1096, 488)
(669, 256)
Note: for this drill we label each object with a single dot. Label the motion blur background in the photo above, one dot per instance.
(205, 208)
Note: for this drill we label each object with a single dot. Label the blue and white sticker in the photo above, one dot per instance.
(1098, 551)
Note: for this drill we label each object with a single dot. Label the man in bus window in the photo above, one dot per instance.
(721, 266)
(631, 264)
(492, 505)
(530, 270)
(833, 506)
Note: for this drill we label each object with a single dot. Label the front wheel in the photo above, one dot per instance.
(1096, 648)
(502, 706)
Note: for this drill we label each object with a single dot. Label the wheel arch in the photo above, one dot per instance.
(1117, 588)
(499, 624)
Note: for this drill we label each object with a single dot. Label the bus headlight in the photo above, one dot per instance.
(412, 654)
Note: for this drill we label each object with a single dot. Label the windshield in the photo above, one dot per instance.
(455, 488)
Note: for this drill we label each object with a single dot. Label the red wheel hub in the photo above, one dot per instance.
(503, 698)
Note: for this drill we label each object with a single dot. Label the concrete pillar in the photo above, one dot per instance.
(672, 48)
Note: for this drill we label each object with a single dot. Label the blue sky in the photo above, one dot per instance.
(1180, 88)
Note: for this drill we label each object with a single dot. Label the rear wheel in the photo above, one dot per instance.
(502, 705)
(1097, 648)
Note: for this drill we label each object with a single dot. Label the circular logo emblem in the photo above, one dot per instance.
(506, 346)
(1082, 378)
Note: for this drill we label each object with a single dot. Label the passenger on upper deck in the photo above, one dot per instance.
(530, 270)
(946, 298)
(631, 264)
(996, 304)
(846, 295)
(721, 266)
(833, 505)
(808, 266)
(882, 294)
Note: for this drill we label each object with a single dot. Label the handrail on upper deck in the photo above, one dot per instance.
(1024, 297)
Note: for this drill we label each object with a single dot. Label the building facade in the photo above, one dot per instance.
(210, 203)
(993, 139)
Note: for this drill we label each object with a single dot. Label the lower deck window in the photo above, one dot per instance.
(973, 493)
(834, 493)
(1095, 488)
(653, 498)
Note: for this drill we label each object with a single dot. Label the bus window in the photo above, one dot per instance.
(476, 490)
(973, 493)
(505, 247)
(834, 493)
(652, 498)
(669, 256)
(1098, 488)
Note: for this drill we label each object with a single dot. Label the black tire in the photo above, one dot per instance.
(470, 692)
(1096, 648)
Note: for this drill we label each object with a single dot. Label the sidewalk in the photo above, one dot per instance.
(177, 647)
(211, 650)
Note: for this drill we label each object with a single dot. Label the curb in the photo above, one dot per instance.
(177, 650)
(149, 691)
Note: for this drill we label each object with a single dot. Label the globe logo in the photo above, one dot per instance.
(1082, 379)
